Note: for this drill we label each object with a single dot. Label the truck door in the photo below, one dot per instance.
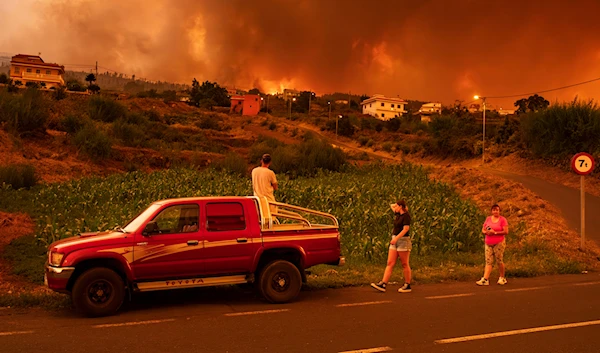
(170, 246)
(229, 244)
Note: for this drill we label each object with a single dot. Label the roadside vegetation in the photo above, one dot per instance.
(447, 241)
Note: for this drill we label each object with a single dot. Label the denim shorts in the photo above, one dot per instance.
(403, 244)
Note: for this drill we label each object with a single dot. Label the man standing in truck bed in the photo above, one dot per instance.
(264, 181)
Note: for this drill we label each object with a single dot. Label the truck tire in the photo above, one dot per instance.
(280, 281)
(98, 292)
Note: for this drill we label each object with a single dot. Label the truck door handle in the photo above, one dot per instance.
(192, 242)
(242, 240)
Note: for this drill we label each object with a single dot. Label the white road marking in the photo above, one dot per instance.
(364, 303)
(526, 289)
(517, 332)
(257, 312)
(133, 323)
(15, 333)
(586, 283)
(370, 350)
(451, 296)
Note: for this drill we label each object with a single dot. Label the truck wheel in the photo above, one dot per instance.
(98, 292)
(280, 281)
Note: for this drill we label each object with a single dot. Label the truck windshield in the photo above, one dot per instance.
(136, 222)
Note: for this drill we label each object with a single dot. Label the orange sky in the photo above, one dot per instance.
(426, 50)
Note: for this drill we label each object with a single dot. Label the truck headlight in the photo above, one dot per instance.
(56, 258)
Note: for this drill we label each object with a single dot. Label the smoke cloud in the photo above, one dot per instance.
(432, 50)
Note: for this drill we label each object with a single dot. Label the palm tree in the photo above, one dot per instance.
(90, 78)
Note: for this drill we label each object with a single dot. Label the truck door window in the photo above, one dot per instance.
(177, 219)
(223, 216)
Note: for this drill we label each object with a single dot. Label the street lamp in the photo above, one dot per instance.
(336, 125)
(483, 141)
(329, 118)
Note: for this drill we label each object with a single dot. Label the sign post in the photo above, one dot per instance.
(583, 164)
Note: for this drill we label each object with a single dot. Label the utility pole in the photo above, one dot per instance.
(309, 99)
(96, 70)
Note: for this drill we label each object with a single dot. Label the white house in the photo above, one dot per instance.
(431, 108)
(383, 108)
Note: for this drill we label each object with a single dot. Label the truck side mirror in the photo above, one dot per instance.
(151, 228)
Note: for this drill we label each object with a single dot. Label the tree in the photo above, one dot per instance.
(18, 83)
(208, 91)
(3, 78)
(75, 86)
(255, 91)
(90, 79)
(532, 104)
(43, 84)
(94, 88)
(301, 103)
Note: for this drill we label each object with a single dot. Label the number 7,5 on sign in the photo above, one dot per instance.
(582, 163)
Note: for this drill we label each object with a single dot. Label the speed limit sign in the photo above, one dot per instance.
(582, 163)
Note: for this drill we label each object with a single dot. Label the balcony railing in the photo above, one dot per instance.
(38, 77)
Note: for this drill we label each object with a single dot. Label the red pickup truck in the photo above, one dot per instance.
(192, 242)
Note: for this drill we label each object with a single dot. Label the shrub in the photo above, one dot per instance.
(24, 113)
(209, 122)
(3, 78)
(106, 109)
(362, 140)
(60, 93)
(563, 129)
(232, 163)
(75, 86)
(272, 126)
(93, 142)
(261, 146)
(387, 146)
(18, 176)
(72, 123)
(132, 135)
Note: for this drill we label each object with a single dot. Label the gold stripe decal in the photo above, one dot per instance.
(268, 239)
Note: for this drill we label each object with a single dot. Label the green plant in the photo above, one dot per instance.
(18, 176)
(93, 142)
(105, 109)
(24, 113)
(232, 163)
(563, 129)
(72, 123)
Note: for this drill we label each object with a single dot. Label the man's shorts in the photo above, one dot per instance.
(403, 244)
(495, 252)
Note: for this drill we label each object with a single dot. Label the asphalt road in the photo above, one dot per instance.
(566, 199)
(233, 319)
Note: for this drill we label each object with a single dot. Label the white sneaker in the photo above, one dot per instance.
(483, 282)
(502, 281)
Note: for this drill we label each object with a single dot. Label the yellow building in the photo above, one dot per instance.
(31, 68)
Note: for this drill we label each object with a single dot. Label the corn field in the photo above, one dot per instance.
(358, 197)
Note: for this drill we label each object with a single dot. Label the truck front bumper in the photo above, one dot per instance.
(57, 278)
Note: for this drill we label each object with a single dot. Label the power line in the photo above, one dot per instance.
(544, 91)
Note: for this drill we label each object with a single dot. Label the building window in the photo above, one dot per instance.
(17, 70)
(38, 72)
(392, 105)
(370, 105)
(48, 72)
(383, 104)
(28, 70)
(382, 114)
